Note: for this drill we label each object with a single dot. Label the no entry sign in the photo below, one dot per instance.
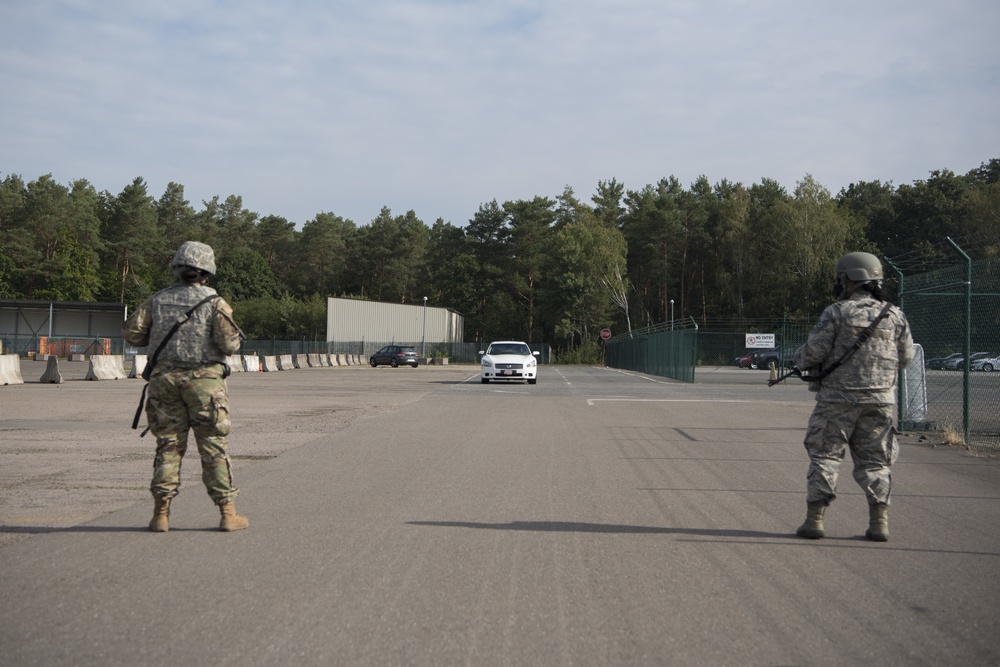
(760, 341)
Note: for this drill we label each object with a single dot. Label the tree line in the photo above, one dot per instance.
(547, 269)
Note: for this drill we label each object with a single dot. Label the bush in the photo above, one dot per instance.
(587, 354)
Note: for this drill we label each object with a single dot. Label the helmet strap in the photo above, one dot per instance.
(842, 289)
(839, 286)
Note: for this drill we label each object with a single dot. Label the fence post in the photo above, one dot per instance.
(966, 367)
(901, 373)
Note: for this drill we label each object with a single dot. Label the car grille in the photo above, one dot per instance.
(508, 366)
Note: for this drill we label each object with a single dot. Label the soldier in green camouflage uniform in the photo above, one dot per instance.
(854, 403)
(187, 387)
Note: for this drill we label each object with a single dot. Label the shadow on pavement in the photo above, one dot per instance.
(853, 541)
(580, 527)
(38, 530)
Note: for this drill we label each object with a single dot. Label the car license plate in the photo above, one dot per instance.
(506, 372)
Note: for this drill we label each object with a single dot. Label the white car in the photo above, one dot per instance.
(958, 364)
(988, 364)
(508, 360)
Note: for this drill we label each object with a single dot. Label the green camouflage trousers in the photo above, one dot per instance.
(867, 429)
(196, 400)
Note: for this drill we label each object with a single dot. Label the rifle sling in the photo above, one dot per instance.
(862, 339)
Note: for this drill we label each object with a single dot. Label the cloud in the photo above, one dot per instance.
(440, 105)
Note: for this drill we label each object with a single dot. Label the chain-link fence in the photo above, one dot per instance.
(724, 342)
(32, 344)
(954, 313)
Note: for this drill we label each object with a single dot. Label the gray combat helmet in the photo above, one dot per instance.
(196, 255)
(860, 267)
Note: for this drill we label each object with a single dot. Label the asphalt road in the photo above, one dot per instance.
(417, 517)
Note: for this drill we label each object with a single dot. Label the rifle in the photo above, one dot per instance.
(795, 372)
(863, 337)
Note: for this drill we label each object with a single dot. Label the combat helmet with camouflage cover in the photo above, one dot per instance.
(196, 255)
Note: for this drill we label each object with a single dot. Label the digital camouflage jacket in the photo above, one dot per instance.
(869, 375)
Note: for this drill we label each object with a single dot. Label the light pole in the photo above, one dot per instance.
(423, 334)
(671, 314)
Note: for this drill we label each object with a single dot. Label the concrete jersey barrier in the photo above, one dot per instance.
(106, 367)
(10, 369)
(269, 363)
(51, 374)
(285, 362)
(251, 363)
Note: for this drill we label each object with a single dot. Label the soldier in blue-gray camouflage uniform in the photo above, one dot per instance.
(854, 403)
(187, 386)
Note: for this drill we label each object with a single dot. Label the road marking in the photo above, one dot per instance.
(592, 401)
(640, 376)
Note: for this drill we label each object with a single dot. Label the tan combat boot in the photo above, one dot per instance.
(160, 522)
(230, 519)
(813, 526)
(878, 523)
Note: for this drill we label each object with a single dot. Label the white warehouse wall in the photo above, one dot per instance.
(359, 320)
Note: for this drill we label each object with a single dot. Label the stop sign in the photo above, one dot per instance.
(605, 334)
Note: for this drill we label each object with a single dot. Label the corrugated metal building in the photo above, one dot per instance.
(24, 321)
(357, 320)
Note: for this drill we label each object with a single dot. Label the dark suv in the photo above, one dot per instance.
(777, 356)
(395, 355)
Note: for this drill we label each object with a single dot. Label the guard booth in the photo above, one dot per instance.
(60, 328)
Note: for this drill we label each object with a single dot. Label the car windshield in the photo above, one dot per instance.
(509, 348)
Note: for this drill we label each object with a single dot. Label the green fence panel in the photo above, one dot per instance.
(665, 353)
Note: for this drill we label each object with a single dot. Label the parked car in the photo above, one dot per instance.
(777, 356)
(508, 360)
(745, 361)
(987, 364)
(959, 363)
(938, 364)
(395, 355)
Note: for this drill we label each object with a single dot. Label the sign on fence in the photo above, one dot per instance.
(760, 341)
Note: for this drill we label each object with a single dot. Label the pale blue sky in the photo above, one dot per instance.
(441, 105)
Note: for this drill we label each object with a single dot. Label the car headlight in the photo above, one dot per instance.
(531, 363)
(487, 363)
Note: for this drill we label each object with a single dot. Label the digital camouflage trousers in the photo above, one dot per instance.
(867, 430)
(195, 400)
